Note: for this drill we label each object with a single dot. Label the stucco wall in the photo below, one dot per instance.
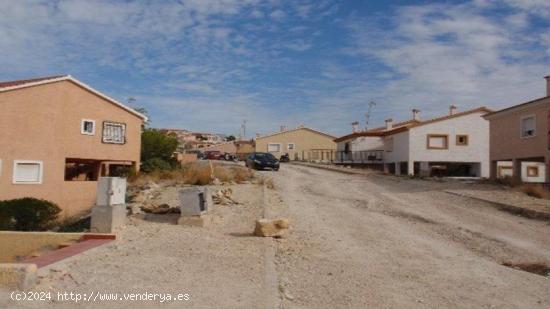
(304, 140)
(472, 125)
(362, 143)
(43, 123)
(400, 150)
(505, 129)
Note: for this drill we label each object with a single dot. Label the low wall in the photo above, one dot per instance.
(23, 244)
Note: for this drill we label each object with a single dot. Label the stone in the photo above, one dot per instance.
(271, 227)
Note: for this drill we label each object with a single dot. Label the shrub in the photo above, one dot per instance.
(27, 214)
(155, 164)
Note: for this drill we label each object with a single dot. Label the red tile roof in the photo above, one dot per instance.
(14, 83)
(406, 125)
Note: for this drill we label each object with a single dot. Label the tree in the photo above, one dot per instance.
(156, 146)
(230, 138)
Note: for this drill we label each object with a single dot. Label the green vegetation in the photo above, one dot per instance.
(27, 214)
(157, 150)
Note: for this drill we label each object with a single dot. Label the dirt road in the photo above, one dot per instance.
(367, 241)
(382, 242)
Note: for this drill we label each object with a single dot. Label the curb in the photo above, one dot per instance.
(516, 210)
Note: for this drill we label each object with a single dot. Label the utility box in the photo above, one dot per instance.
(111, 191)
(109, 213)
(194, 202)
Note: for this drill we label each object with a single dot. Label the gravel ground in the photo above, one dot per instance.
(356, 241)
(382, 242)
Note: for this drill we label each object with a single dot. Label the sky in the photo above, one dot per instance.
(207, 65)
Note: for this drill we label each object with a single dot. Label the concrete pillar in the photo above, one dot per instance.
(410, 167)
(547, 169)
(516, 169)
(398, 168)
(493, 170)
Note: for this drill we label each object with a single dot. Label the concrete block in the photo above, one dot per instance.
(21, 276)
(199, 221)
(106, 219)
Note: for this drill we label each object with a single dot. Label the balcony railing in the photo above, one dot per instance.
(359, 157)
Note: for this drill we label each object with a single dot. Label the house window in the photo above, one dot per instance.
(81, 169)
(532, 171)
(87, 127)
(437, 141)
(273, 147)
(27, 172)
(528, 126)
(462, 140)
(114, 133)
(290, 146)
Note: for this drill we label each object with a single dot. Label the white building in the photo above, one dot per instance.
(456, 144)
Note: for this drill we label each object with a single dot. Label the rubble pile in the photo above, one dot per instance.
(224, 197)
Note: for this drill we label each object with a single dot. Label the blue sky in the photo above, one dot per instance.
(206, 65)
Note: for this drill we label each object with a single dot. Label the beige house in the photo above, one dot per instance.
(520, 140)
(58, 136)
(301, 143)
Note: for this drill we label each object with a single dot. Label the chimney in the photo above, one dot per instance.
(389, 124)
(547, 85)
(415, 114)
(283, 128)
(355, 127)
(257, 135)
(452, 110)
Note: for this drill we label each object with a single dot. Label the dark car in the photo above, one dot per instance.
(213, 155)
(284, 158)
(262, 160)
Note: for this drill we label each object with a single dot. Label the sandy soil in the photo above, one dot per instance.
(380, 242)
(356, 241)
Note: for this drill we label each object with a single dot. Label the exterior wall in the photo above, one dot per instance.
(506, 140)
(43, 123)
(303, 139)
(362, 143)
(228, 147)
(399, 152)
(477, 150)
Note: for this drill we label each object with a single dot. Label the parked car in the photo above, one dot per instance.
(230, 157)
(213, 155)
(284, 158)
(262, 160)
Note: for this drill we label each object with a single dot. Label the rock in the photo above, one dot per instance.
(271, 227)
(216, 182)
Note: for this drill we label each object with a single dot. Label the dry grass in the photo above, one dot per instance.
(196, 173)
(535, 191)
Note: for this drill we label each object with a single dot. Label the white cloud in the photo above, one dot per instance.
(278, 14)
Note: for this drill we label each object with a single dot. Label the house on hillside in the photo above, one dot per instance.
(301, 143)
(456, 144)
(520, 140)
(58, 136)
(239, 148)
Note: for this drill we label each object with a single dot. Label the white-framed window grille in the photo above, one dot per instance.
(114, 132)
(273, 147)
(87, 127)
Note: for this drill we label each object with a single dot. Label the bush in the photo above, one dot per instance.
(155, 164)
(535, 191)
(27, 214)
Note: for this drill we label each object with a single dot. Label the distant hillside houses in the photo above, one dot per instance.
(189, 140)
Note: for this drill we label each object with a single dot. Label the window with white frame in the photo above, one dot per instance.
(87, 127)
(528, 126)
(273, 147)
(291, 146)
(114, 132)
(27, 172)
